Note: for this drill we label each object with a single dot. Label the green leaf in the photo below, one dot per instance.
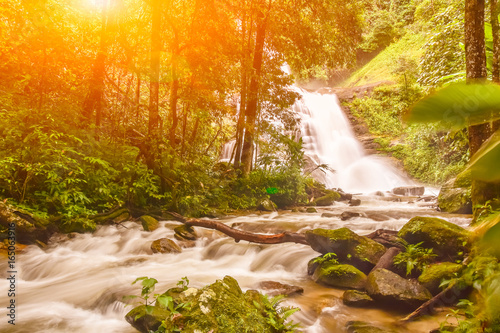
(484, 164)
(459, 105)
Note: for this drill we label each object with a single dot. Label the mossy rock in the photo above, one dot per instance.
(350, 248)
(265, 204)
(147, 318)
(219, 308)
(328, 199)
(165, 245)
(117, 216)
(185, 232)
(79, 224)
(149, 223)
(356, 298)
(455, 199)
(391, 290)
(339, 276)
(311, 210)
(433, 275)
(448, 240)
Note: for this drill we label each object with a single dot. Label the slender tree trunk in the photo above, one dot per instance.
(154, 81)
(138, 96)
(253, 95)
(93, 101)
(495, 71)
(174, 97)
(475, 55)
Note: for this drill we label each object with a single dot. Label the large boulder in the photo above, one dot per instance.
(455, 197)
(218, 308)
(28, 230)
(393, 291)
(165, 245)
(449, 241)
(149, 223)
(350, 248)
(339, 276)
(433, 275)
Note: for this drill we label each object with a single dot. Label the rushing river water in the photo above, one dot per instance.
(77, 284)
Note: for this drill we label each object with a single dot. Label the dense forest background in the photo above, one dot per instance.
(111, 102)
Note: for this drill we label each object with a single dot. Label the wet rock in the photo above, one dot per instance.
(347, 215)
(356, 298)
(377, 217)
(219, 307)
(79, 224)
(349, 247)
(433, 275)
(265, 204)
(409, 190)
(364, 327)
(328, 215)
(28, 229)
(354, 202)
(328, 199)
(395, 292)
(114, 217)
(312, 265)
(344, 196)
(449, 241)
(339, 276)
(273, 288)
(185, 232)
(311, 210)
(149, 223)
(165, 245)
(455, 199)
(147, 318)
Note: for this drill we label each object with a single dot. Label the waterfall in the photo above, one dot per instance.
(328, 139)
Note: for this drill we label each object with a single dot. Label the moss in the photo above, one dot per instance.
(433, 275)
(117, 216)
(149, 223)
(343, 276)
(328, 199)
(448, 240)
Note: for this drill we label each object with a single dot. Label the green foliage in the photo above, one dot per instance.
(148, 287)
(330, 257)
(277, 316)
(414, 257)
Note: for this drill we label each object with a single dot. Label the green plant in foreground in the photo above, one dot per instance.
(330, 256)
(414, 257)
(277, 316)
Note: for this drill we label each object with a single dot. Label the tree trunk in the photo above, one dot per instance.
(93, 101)
(253, 96)
(495, 70)
(475, 56)
(174, 96)
(154, 80)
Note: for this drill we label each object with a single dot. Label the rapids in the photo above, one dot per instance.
(77, 283)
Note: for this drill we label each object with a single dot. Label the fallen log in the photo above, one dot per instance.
(388, 238)
(284, 237)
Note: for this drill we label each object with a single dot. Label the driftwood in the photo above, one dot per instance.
(386, 261)
(285, 237)
(448, 296)
(388, 238)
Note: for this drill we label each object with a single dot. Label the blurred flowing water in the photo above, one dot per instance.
(77, 284)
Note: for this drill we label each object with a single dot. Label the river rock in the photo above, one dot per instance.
(349, 247)
(311, 210)
(449, 241)
(114, 217)
(393, 291)
(165, 245)
(455, 197)
(409, 190)
(149, 223)
(28, 230)
(354, 202)
(347, 215)
(266, 204)
(356, 298)
(328, 199)
(218, 308)
(273, 288)
(185, 232)
(434, 274)
(339, 276)
(364, 327)
(328, 215)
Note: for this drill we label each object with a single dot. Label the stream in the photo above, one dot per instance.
(77, 283)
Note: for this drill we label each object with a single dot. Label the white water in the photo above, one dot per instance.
(77, 285)
(329, 139)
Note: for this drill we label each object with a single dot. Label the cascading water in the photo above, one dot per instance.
(328, 139)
